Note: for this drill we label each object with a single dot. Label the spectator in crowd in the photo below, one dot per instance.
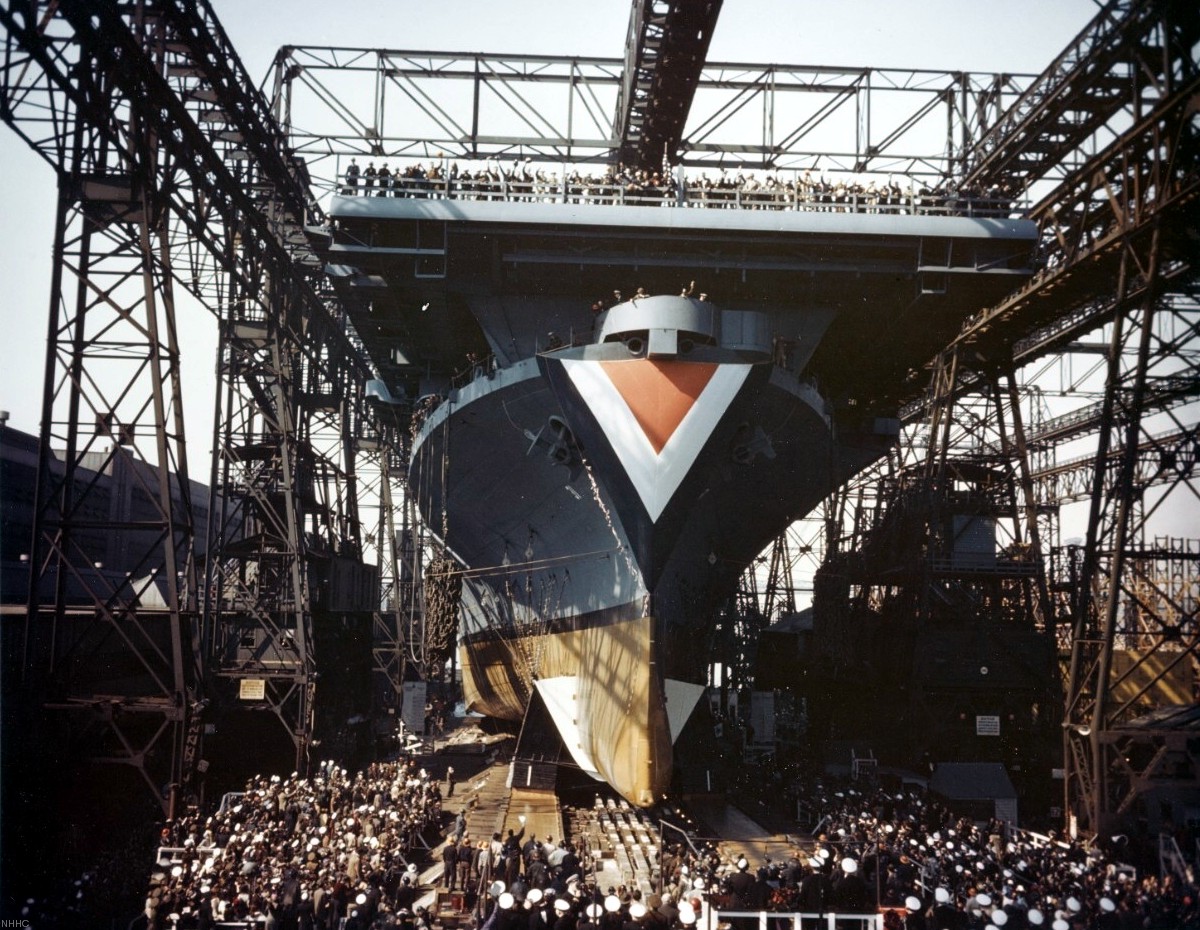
(300, 851)
(282, 851)
(743, 190)
(908, 854)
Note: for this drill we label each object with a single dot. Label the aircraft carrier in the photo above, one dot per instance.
(604, 468)
(607, 395)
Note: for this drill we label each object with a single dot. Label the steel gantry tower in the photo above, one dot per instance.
(1108, 136)
(176, 187)
(1113, 121)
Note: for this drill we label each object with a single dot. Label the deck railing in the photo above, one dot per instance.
(789, 920)
(790, 196)
(735, 920)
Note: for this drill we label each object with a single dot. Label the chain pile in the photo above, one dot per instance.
(443, 591)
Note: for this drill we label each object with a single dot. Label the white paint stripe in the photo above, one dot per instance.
(655, 476)
(682, 697)
(559, 694)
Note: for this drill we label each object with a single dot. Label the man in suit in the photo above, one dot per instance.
(449, 863)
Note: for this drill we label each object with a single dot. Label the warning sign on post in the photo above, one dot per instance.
(987, 725)
(413, 710)
(252, 689)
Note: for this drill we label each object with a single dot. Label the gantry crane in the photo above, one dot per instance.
(176, 175)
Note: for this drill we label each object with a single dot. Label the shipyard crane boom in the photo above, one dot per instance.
(665, 51)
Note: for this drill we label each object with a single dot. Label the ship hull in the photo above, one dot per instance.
(605, 503)
(600, 684)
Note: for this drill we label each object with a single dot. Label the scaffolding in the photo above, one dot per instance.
(175, 175)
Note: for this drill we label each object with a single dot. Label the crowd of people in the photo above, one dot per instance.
(748, 189)
(339, 851)
(363, 851)
(300, 852)
(910, 857)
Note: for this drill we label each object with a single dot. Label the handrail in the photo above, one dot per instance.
(227, 800)
(1170, 859)
(772, 920)
(173, 855)
(687, 837)
(785, 196)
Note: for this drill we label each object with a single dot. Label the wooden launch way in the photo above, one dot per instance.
(618, 845)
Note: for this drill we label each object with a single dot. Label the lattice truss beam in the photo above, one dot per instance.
(1118, 244)
(416, 106)
(665, 52)
(1134, 637)
(172, 168)
(395, 538)
(1132, 55)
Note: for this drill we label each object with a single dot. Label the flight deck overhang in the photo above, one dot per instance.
(856, 300)
(683, 219)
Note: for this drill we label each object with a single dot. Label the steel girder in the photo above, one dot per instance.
(259, 610)
(395, 639)
(942, 541)
(980, 442)
(665, 50)
(1116, 681)
(147, 115)
(111, 617)
(1163, 459)
(422, 105)
(1118, 233)
(1132, 55)
(1148, 178)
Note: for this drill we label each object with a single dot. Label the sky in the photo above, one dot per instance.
(967, 35)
